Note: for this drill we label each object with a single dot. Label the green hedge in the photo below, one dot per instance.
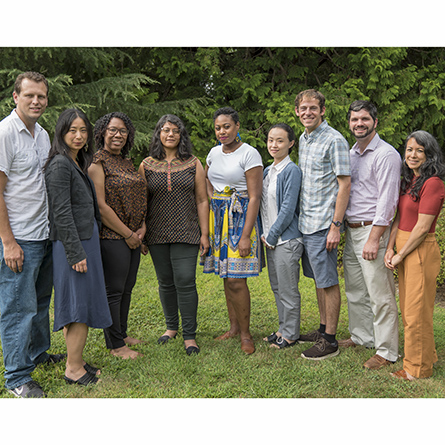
(440, 236)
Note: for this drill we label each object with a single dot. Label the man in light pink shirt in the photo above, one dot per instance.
(375, 183)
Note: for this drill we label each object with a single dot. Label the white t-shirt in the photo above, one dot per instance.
(228, 169)
(22, 158)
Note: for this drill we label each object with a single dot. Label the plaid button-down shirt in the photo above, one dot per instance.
(323, 155)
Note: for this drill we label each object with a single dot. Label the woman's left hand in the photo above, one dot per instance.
(396, 260)
(81, 266)
(244, 246)
(133, 241)
(204, 245)
(266, 244)
(141, 232)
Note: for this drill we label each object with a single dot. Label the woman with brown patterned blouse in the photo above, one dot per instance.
(121, 195)
(177, 224)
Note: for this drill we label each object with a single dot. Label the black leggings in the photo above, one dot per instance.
(175, 266)
(120, 270)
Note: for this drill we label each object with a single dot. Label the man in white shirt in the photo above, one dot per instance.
(369, 285)
(25, 250)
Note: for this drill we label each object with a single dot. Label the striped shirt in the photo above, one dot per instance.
(323, 155)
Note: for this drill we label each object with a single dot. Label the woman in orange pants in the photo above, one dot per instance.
(418, 255)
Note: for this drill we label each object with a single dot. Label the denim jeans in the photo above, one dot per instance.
(24, 309)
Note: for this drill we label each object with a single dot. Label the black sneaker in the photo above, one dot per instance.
(55, 358)
(29, 390)
(321, 350)
(311, 337)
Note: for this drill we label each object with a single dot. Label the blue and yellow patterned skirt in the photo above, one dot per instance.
(226, 224)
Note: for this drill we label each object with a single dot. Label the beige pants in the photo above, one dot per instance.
(417, 292)
(370, 289)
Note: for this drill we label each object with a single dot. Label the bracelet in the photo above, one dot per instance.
(129, 236)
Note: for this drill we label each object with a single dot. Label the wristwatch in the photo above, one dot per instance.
(336, 223)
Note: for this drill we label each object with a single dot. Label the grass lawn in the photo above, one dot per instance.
(222, 390)
(222, 370)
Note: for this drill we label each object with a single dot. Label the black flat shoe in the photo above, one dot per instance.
(86, 379)
(165, 338)
(90, 369)
(192, 350)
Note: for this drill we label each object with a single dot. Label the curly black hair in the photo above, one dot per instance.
(433, 166)
(156, 150)
(100, 127)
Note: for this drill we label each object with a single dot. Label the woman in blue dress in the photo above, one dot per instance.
(80, 299)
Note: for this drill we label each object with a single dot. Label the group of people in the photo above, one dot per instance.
(76, 215)
(389, 210)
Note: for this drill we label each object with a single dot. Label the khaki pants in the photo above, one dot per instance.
(370, 289)
(417, 291)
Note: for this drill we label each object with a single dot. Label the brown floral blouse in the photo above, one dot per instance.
(125, 192)
(172, 215)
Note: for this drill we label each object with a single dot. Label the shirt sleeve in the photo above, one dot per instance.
(432, 197)
(58, 184)
(6, 152)
(388, 170)
(252, 159)
(209, 158)
(340, 158)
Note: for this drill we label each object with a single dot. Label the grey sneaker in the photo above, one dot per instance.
(321, 350)
(29, 390)
(311, 337)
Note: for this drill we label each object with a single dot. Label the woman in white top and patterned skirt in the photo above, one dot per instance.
(234, 174)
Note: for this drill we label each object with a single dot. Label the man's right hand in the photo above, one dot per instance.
(13, 256)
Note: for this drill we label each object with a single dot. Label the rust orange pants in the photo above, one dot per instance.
(417, 292)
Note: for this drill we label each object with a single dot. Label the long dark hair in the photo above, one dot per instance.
(59, 147)
(100, 127)
(156, 150)
(433, 166)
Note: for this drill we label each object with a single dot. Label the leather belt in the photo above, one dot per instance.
(358, 224)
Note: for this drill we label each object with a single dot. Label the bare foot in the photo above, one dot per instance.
(170, 333)
(247, 345)
(410, 377)
(125, 352)
(191, 342)
(132, 341)
(226, 335)
(74, 373)
(278, 334)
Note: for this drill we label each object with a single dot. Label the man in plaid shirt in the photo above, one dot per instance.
(325, 163)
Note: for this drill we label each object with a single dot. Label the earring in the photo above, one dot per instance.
(238, 138)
